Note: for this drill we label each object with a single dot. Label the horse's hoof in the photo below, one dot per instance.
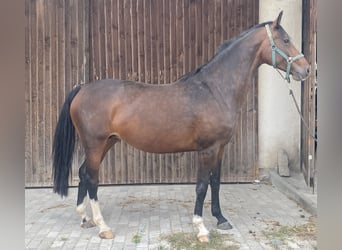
(203, 238)
(88, 224)
(224, 226)
(107, 234)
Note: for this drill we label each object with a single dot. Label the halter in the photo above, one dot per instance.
(289, 60)
(275, 50)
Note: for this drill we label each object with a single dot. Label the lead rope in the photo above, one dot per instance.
(308, 130)
(298, 110)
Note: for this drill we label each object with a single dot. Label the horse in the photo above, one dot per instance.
(197, 112)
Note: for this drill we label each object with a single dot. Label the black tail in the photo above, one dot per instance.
(63, 147)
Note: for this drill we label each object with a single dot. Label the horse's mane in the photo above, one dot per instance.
(225, 45)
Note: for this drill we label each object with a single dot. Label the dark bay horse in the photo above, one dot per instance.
(198, 112)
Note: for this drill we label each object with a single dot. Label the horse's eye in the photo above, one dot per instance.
(286, 40)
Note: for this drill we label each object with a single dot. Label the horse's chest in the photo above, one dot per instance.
(215, 128)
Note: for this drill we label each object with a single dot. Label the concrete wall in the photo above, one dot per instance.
(279, 123)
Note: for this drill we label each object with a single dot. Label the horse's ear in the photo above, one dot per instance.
(276, 22)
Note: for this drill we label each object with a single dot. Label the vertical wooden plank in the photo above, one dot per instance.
(211, 32)
(61, 53)
(127, 39)
(173, 47)
(160, 41)
(108, 51)
(147, 40)
(193, 41)
(205, 33)
(141, 41)
(134, 40)
(54, 65)
(154, 42)
(231, 16)
(83, 48)
(48, 22)
(28, 104)
(224, 20)
(187, 28)
(40, 92)
(67, 62)
(34, 94)
(103, 37)
(115, 28)
(217, 24)
(179, 38)
(95, 55)
(198, 44)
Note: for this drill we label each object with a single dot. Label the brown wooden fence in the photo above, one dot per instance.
(154, 41)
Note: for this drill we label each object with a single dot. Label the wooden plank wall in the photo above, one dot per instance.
(55, 59)
(154, 41)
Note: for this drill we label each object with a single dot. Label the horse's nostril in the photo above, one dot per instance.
(308, 69)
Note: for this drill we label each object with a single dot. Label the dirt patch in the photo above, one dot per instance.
(138, 204)
(189, 241)
(293, 237)
(131, 200)
(54, 207)
(153, 202)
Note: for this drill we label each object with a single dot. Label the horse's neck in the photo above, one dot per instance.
(235, 69)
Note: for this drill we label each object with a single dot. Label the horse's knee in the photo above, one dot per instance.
(201, 188)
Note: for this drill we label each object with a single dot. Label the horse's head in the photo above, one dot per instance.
(279, 51)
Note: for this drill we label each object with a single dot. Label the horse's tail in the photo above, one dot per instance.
(63, 146)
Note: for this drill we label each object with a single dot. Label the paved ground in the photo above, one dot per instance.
(139, 215)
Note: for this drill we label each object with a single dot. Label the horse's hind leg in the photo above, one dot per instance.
(89, 179)
(82, 200)
(215, 176)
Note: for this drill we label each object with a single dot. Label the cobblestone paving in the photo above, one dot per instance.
(139, 215)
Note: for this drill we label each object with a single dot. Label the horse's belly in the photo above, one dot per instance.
(156, 141)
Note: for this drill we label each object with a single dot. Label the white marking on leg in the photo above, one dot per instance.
(81, 209)
(203, 231)
(97, 216)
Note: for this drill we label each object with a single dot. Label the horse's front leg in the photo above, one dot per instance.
(197, 220)
(222, 222)
(207, 161)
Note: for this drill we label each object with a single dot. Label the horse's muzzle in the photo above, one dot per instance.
(301, 73)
